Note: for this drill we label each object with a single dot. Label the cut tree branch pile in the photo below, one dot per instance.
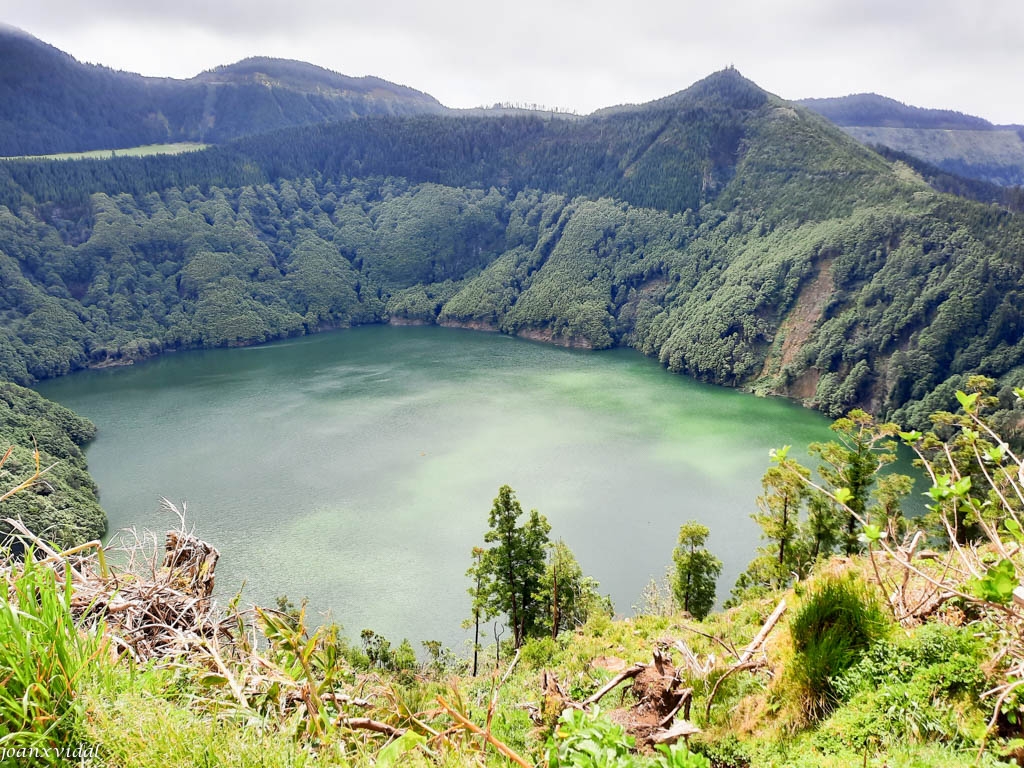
(660, 712)
(148, 612)
(659, 699)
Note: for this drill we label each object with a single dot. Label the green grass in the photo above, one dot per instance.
(833, 627)
(906, 700)
(46, 661)
(104, 154)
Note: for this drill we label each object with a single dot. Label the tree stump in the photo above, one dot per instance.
(191, 563)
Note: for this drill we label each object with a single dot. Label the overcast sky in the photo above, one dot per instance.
(577, 55)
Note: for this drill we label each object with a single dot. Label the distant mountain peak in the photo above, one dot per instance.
(875, 110)
(304, 77)
(13, 31)
(25, 41)
(724, 88)
(727, 86)
(726, 76)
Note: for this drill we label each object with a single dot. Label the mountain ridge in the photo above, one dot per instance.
(957, 143)
(873, 109)
(50, 102)
(42, 87)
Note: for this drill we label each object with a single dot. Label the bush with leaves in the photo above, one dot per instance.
(590, 740)
(912, 689)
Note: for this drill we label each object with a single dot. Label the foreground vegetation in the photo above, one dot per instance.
(890, 655)
(911, 698)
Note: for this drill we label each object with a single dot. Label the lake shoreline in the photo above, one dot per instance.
(536, 335)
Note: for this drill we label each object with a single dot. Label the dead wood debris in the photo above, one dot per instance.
(148, 611)
(658, 694)
(660, 710)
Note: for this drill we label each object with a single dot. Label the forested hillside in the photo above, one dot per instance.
(738, 238)
(957, 143)
(49, 102)
(61, 504)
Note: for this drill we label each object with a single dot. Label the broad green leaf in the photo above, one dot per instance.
(967, 401)
(1014, 529)
(996, 453)
(962, 486)
(872, 533)
(997, 584)
(941, 489)
(396, 753)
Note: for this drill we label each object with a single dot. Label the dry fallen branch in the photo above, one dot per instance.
(714, 690)
(681, 730)
(761, 636)
(690, 660)
(658, 695)
(746, 660)
(685, 698)
(491, 739)
(367, 724)
(343, 699)
(497, 690)
(626, 674)
(25, 483)
(149, 612)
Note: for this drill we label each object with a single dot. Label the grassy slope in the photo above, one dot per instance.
(916, 716)
(101, 154)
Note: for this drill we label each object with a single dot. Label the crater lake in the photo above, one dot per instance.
(357, 468)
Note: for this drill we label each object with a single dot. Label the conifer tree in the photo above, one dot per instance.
(696, 571)
(511, 570)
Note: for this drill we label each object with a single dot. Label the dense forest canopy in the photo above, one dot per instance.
(738, 238)
(61, 504)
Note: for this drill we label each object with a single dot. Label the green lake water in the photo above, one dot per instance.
(357, 468)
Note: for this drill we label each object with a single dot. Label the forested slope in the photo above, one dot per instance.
(736, 237)
(50, 103)
(957, 143)
(61, 505)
